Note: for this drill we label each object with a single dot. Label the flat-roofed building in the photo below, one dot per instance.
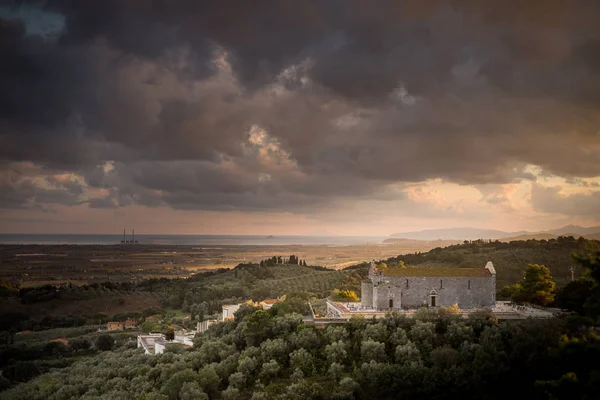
(229, 310)
(155, 343)
(114, 326)
(130, 324)
(204, 325)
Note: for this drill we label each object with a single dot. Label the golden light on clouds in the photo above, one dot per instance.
(326, 119)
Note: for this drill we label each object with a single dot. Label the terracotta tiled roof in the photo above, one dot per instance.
(434, 272)
(60, 340)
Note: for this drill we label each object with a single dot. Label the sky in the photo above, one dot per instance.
(298, 117)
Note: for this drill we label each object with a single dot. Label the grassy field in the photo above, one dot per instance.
(177, 313)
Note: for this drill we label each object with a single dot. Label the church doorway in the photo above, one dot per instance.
(433, 298)
(391, 303)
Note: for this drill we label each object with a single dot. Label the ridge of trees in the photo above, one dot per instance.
(291, 260)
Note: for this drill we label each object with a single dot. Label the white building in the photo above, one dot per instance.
(229, 310)
(204, 325)
(155, 343)
(148, 342)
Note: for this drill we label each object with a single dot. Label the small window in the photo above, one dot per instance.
(469, 283)
(441, 284)
(407, 283)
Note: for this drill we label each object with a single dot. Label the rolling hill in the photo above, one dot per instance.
(452, 234)
(530, 236)
(510, 259)
(477, 233)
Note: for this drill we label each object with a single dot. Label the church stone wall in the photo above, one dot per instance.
(366, 294)
(385, 292)
(481, 292)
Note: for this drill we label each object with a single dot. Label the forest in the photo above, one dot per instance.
(437, 348)
(274, 355)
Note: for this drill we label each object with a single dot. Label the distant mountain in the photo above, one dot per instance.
(593, 236)
(476, 233)
(574, 230)
(530, 236)
(456, 234)
(419, 242)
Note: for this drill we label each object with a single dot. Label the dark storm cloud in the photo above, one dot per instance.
(20, 191)
(353, 95)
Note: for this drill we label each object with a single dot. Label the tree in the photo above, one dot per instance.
(21, 371)
(192, 391)
(237, 380)
(345, 295)
(372, 350)
(150, 326)
(377, 332)
(336, 370)
(336, 352)
(230, 393)
(408, 354)
(174, 385)
(537, 287)
(348, 386)
(269, 370)
(170, 334)
(301, 359)
(82, 344)
(244, 311)
(104, 342)
(209, 380)
(444, 357)
(256, 329)
(592, 263)
(574, 295)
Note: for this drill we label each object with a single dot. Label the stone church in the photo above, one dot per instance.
(406, 288)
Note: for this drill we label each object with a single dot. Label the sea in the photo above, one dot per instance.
(190, 240)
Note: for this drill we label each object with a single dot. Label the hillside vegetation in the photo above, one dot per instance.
(510, 259)
(274, 355)
(208, 291)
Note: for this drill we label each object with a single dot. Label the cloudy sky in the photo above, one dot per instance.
(348, 117)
